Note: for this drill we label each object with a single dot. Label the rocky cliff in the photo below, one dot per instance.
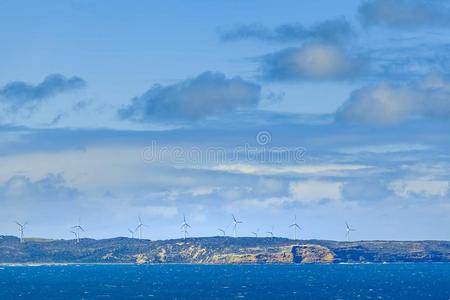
(219, 250)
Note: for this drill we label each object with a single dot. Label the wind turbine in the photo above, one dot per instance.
(132, 232)
(221, 230)
(295, 226)
(235, 224)
(348, 230)
(255, 233)
(184, 226)
(77, 228)
(21, 228)
(139, 227)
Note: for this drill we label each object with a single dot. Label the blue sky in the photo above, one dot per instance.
(261, 109)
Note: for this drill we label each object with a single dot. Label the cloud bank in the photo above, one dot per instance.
(313, 62)
(192, 99)
(405, 14)
(385, 103)
(19, 94)
(334, 31)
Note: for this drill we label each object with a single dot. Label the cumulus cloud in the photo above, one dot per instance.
(207, 94)
(337, 30)
(405, 14)
(50, 188)
(313, 62)
(385, 103)
(19, 94)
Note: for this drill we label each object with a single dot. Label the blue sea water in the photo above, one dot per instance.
(368, 281)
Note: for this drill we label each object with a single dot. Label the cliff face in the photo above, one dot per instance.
(312, 254)
(219, 250)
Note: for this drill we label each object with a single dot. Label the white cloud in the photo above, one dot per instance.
(266, 203)
(319, 169)
(192, 99)
(202, 191)
(385, 148)
(421, 188)
(385, 103)
(300, 192)
(268, 186)
(405, 14)
(315, 191)
(313, 62)
(51, 187)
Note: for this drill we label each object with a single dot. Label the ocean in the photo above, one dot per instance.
(358, 281)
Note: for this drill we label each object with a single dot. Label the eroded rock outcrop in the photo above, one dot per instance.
(307, 254)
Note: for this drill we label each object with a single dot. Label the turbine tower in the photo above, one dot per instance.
(348, 230)
(235, 225)
(21, 228)
(295, 226)
(222, 231)
(255, 233)
(77, 229)
(185, 232)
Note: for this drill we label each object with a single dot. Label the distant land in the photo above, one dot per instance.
(219, 250)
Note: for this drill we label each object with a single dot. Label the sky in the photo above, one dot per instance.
(265, 110)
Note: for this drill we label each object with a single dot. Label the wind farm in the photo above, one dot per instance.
(186, 230)
(216, 249)
(299, 149)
